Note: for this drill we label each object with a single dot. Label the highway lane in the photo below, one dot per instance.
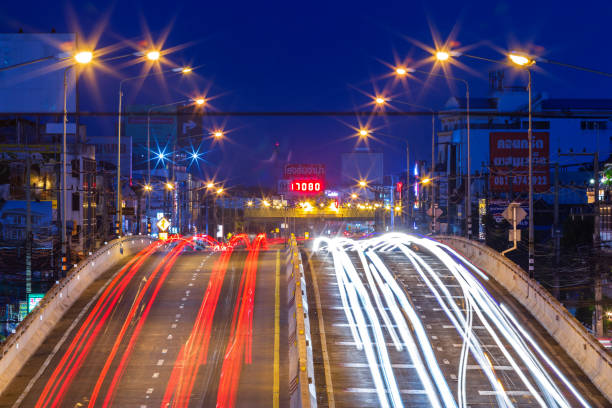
(370, 356)
(165, 340)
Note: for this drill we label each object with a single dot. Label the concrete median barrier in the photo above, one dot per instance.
(588, 353)
(302, 390)
(33, 330)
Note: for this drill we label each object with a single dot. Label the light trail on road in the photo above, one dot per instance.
(376, 302)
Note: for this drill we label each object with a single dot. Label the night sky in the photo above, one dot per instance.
(317, 56)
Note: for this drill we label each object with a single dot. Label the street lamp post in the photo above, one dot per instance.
(153, 56)
(83, 57)
(525, 63)
(441, 56)
(381, 101)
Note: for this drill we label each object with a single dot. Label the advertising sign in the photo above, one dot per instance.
(23, 309)
(33, 300)
(294, 171)
(509, 160)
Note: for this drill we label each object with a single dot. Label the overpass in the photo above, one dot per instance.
(342, 213)
(399, 321)
(402, 320)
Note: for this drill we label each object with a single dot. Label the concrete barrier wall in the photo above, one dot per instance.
(33, 330)
(580, 345)
(302, 390)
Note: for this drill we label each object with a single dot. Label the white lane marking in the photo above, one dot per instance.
(450, 326)
(373, 391)
(184, 299)
(173, 326)
(483, 345)
(164, 351)
(155, 375)
(506, 391)
(364, 365)
(178, 315)
(62, 340)
(143, 406)
(181, 306)
(191, 284)
(160, 362)
(149, 390)
(169, 337)
(187, 292)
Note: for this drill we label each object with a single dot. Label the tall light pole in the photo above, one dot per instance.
(381, 101)
(442, 56)
(525, 63)
(152, 56)
(198, 101)
(83, 57)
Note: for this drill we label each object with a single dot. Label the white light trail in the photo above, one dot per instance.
(374, 293)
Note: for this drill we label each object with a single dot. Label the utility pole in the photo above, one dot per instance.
(596, 242)
(28, 236)
(556, 236)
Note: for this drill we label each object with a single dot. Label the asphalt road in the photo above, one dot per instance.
(163, 337)
(349, 381)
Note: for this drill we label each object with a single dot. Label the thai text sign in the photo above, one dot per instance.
(293, 171)
(509, 160)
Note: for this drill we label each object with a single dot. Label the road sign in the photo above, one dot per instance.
(163, 224)
(33, 300)
(514, 213)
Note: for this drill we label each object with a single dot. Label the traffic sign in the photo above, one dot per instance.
(514, 213)
(163, 224)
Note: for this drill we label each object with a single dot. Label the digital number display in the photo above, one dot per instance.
(307, 186)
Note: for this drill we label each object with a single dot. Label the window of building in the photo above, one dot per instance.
(76, 168)
(76, 201)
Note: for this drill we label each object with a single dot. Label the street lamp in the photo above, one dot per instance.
(184, 71)
(83, 57)
(525, 63)
(218, 134)
(444, 56)
(169, 186)
(364, 132)
(382, 101)
(151, 55)
(363, 183)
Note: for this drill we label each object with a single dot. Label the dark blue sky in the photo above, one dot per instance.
(310, 56)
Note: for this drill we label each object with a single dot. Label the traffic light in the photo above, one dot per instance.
(148, 225)
(64, 261)
(117, 228)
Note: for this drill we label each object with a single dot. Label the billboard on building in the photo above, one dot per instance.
(509, 161)
(36, 87)
(161, 130)
(303, 178)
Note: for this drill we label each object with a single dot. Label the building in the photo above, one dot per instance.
(566, 133)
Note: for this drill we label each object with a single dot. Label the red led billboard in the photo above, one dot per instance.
(509, 161)
(307, 186)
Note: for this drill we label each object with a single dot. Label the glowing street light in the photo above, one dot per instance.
(249, 203)
(442, 55)
(153, 55)
(266, 203)
(354, 196)
(521, 59)
(169, 186)
(200, 101)
(380, 100)
(220, 190)
(401, 71)
(210, 185)
(148, 187)
(363, 183)
(426, 180)
(364, 132)
(218, 134)
(83, 57)
(186, 70)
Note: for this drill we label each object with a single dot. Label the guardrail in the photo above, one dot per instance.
(302, 390)
(32, 331)
(588, 353)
